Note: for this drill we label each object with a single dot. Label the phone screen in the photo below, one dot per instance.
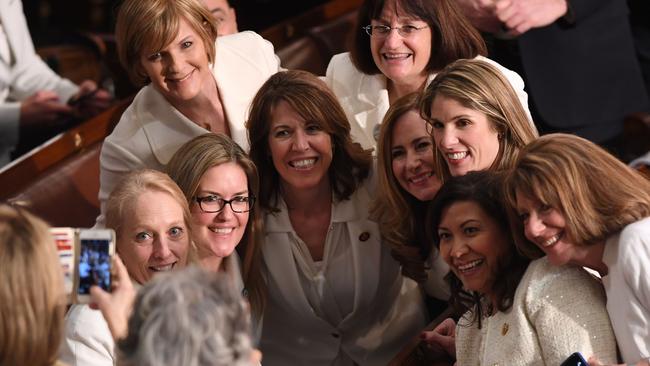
(94, 265)
(575, 359)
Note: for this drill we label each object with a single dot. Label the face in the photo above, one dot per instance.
(219, 233)
(412, 157)
(154, 237)
(180, 71)
(545, 227)
(301, 150)
(224, 15)
(464, 137)
(472, 242)
(402, 59)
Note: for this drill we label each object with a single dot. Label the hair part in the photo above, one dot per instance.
(596, 193)
(190, 317)
(485, 189)
(144, 27)
(314, 102)
(452, 36)
(187, 168)
(32, 298)
(480, 86)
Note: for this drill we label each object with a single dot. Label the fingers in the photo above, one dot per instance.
(447, 327)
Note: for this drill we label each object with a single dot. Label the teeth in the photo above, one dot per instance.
(457, 155)
(552, 240)
(470, 265)
(420, 178)
(394, 56)
(222, 230)
(305, 163)
(162, 268)
(181, 79)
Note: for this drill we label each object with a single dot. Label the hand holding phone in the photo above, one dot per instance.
(96, 250)
(575, 359)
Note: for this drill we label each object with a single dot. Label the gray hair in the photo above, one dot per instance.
(191, 318)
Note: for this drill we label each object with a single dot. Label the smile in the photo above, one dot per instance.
(550, 241)
(469, 266)
(303, 163)
(396, 56)
(221, 230)
(420, 178)
(162, 268)
(456, 155)
(172, 80)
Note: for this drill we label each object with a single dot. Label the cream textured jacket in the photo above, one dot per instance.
(556, 311)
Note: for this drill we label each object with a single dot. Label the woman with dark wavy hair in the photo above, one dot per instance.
(335, 296)
(517, 312)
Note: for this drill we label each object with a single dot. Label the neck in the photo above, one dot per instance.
(211, 263)
(308, 199)
(397, 90)
(204, 106)
(591, 256)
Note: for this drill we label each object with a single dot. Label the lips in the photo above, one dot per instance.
(420, 178)
(469, 266)
(457, 156)
(222, 230)
(303, 164)
(396, 56)
(550, 241)
(181, 79)
(162, 267)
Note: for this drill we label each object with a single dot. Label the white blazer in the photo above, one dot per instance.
(365, 97)
(151, 130)
(22, 74)
(387, 309)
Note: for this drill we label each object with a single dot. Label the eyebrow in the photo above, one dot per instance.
(221, 195)
(469, 221)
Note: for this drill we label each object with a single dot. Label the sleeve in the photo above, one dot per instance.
(635, 259)
(568, 313)
(583, 9)
(87, 340)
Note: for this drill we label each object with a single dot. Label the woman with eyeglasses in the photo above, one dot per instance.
(220, 182)
(398, 48)
(335, 296)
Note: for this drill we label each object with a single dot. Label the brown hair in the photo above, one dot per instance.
(32, 299)
(453, 37)
(478, 85)
(187, 167)
(399, 214)
(597, 194)
(313, 101)
(148, 26)
(485, 189)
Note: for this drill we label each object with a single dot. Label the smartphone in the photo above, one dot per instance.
(94, 260)
(575, 359)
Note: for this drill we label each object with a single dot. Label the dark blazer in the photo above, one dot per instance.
(582, 73)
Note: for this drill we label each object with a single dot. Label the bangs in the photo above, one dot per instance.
(160, 32)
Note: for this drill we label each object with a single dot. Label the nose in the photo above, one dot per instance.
(533, 227)
(161, 248)
(458, 249)
(446, 137)
(393, 39)
(300, 141)
(225, 214)
(412, 161)
(172, 62)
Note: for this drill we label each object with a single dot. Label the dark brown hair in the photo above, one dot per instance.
(313, 101)
(452, 36)
(485, 189)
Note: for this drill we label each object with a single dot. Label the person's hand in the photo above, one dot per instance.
(594, 361)
(42, 108)
(519, 16)
(89, 100)
(442, 340)
(115, 306)
(481, 14)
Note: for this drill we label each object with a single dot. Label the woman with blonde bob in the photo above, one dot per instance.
(220, 183)
(335, 296)
(477, 121)
(32, 299)
(152, 224)
(406, 184)
(580, 206)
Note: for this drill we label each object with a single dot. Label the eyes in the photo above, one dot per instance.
(285, 131)
(468, 231)
(156, 56)
(420, 145)
(541, 210)
(459, 123)
(146, 237)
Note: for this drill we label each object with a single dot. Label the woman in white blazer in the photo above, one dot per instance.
(335, 296)
(398, 48)
(196, 83)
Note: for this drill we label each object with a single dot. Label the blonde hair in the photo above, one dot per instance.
(597, 194)
(32, 299)
(132, 186)
(148, 26)
(187, 167)
(399, 214)
(478, 85)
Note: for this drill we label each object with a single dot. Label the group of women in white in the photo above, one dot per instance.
(268, 177)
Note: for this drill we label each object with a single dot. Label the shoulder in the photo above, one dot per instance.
(87, 339)
(84, 322)
(246, 45)
(341, 75)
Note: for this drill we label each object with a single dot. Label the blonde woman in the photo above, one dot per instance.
(32, 299)
(476, 119)
(151, 220)
(580, 206)
(220, 183)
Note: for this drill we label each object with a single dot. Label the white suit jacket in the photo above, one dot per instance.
(388, 309)
(151, 130)
(22, 74)
(365, 97)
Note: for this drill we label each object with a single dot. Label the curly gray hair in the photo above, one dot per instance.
(190, 318)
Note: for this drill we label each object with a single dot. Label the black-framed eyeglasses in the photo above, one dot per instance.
(213, 203)
(382, 31)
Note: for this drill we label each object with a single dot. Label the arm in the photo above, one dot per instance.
(87, 339)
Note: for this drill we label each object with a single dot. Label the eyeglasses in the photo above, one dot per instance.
(213, 203)
(382, 31)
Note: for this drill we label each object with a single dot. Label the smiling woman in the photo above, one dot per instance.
(151, 220)
(516, 311)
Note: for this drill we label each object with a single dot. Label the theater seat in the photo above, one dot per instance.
(303, 54)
